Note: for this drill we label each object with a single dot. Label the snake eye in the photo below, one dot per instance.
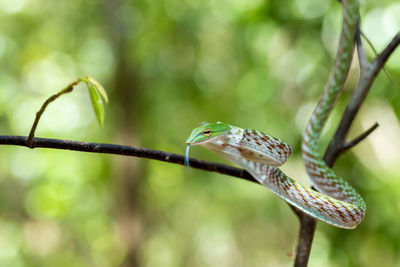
(206, 132)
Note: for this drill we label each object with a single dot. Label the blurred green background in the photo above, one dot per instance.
(169, 65)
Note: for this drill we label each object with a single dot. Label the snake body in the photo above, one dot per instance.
(336, 203)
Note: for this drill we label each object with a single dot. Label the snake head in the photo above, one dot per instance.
(207, 132)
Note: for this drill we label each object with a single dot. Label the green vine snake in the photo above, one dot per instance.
(336, 203)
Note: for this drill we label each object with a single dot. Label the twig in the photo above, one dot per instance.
(126, 151)
(388, 74)
(383, 57)
(68, 89)
(359, 138)
(367, 77)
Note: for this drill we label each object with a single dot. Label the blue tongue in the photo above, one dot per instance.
(187, 156)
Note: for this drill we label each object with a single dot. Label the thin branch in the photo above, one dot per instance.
(359, 138)
(388, 74)
(126, 151)
(306, 237)
(384, 56)
(66, 90)
(367, 77)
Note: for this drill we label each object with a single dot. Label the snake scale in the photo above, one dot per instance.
(337, 203)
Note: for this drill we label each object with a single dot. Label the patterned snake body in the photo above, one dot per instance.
(337, 203)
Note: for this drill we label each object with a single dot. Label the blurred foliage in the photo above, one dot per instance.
(252, 63)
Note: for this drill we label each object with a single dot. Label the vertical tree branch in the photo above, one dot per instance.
(367, 76)
(338, 144)
(306, 237)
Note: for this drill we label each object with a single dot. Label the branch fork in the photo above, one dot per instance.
(338, 144)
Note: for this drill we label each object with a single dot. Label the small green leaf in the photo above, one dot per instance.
(97, 103)
(99, 88)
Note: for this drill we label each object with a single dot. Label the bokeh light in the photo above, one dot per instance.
(168, 66)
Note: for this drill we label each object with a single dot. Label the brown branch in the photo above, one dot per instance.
(306, 237)
(385, 54)
(126, 151)
(359, 138)
(388, 74)
(367, 77)
(66, 90)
